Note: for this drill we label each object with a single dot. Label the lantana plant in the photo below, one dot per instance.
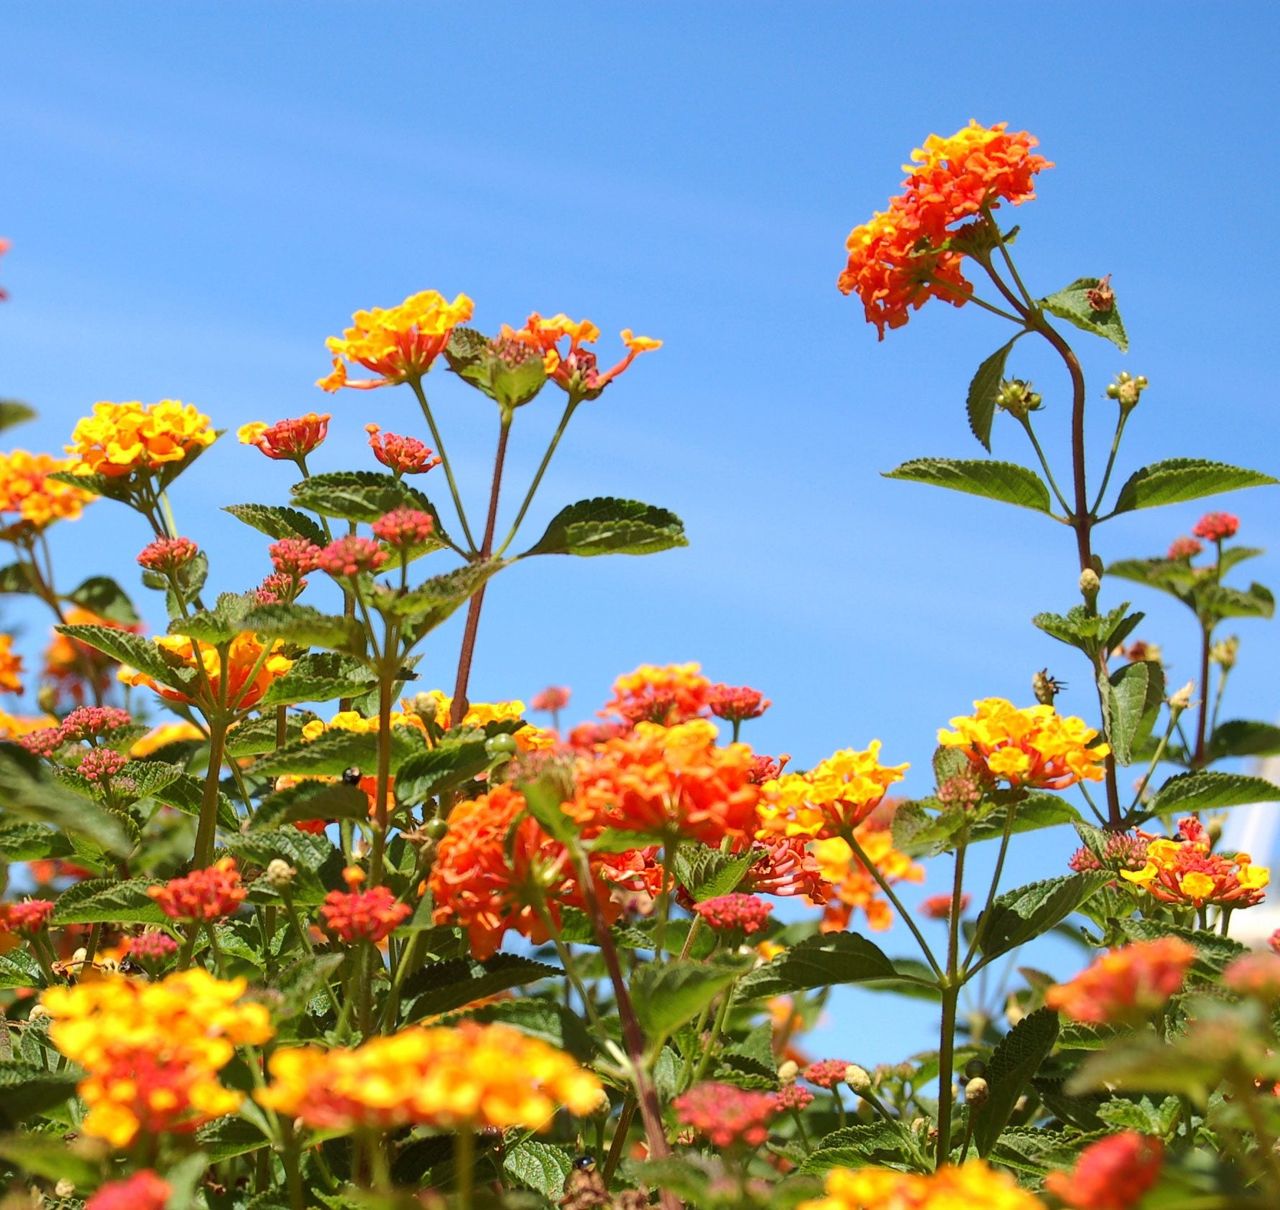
(286, 926)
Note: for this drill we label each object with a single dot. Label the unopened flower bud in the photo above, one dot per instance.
(1017, 398)
(1090, 583)
(976, 1092)
(1213, 829)
(1127, 390)
(38, 1013)
(857, 1078)
(788, 1071)
(1182, 699)
(64, 1188)
(280, 873)
(1224, 652)
(47, 699)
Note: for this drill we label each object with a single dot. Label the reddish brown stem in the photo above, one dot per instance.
(1202, 724)
(459, 707)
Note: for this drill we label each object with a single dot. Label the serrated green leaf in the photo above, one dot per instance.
(1210, 790)
(1142, 1115)
(27, 1090)
(509, 382)
(1240, 737)
(12, 413)
(434, 600)
(1177, 479)
(1213, 951)
(707, 873)
(318, 676)
(540, 1166)
(544, 800)
(24, 841)
(1003, 481)
(439, 770)
(1218, 601)
(310, 800)
(227, 1138)
(278, 522)
(822, 961)
(104, 901)
(879, 1142)
(1133, 695)
(1072, 304)
(103, 596)
(256, 736)
(301, 849)
(18, 968)
(666, 996)
(980, 404)
(360, 496)
(303, 625)
(133, 650)
(606, 526)
(441, 987)
(1029, 911)
(333, 752)
(1013, 1064)
(50, 1156)
(30, 794)
(540, 1018)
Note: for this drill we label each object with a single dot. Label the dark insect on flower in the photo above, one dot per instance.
(1045, 687)
(351, 777)
(585, 1163)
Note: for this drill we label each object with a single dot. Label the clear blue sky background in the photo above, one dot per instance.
(199, 194)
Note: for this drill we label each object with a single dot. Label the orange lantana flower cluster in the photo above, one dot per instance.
(207, 894)
(286, 439)
(469, 1076)
(27, 490)
(901, 257)
(10, 666)
(1126, 985)
(1185, 872)
(121, 438)
(1112, 1174)
(399, 343)
(251, 666)
(1035, 748)
(152, 1051)
(574, 368)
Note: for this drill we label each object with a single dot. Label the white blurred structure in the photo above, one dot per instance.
(1256, 830)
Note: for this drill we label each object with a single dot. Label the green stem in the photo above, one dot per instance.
(1025, 421)
(386, 688)
(950, 999)
(207, 828)
(569, 409)
(1174, 713)
(623, 1128)
(464, 1163)
(416, 384)
(870, 866)
(985, 914)
(1111, 459)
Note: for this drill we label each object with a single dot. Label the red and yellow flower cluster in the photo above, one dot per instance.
(122, 438)
(1112, 1174)
(902, 257)
(574, 368)
(290, 439)
(832, 798)
(1127, 985)
(971, 1184)
(208, 894)
(1034, 748)
(1186, 873)
(467, 1076)
(153, 1051)
(251, 666)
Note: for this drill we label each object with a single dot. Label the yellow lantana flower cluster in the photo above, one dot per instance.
(121, 438)
(399, 343)
(834, 796)
(26, 489)
(1034, 747)
(529, 738)
(152, 1051)
(971, 1184)
(469, 1076)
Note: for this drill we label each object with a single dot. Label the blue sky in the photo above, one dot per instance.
(198, 195)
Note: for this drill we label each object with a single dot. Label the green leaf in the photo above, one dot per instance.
(1217, 601)
(544, 798)
(1134, 695)
(133, 650)
(1239, 737)
(1173, 576)
(540, 1018)
(707, 873)
(439, 770)
(1004, 481)
(509, 380)
(310, 800)
(1210, 790)
(822, 961)
(226, 1138)
(318, 676)
(301, 849)
(1072, 304)
(25, 841)
(542, 1167)
(279, 522)
(1142, 1115)
(103, 596)
(919, 832)
(359, 496)
(336, 751)
(258, 735)
(105, 901)
(440, 987)
(18, 968)
(303, 625)
(605, 526)
(666, 996)
(15, 577)
(435, 599)
(12, 412)
(879, 1142)
(1013, 1063)
(27, 1090)
(50, 1156)
(1089, 632)
(983, 389)
(29, 792)
(1177, 479)
(1029, 911)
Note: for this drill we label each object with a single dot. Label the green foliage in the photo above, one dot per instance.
(1210, 790)
(1240, 737)
(277, 522)
(1019, 915)
(1179, 479)
(824, 961)
(131, 649)
(707, 873)
(542, 1167)
(440, 987)
(29, 792)
(440, 769)
(1132, 696)
(310, 800)
(1089, 632)
(1003, 481)
(361, 496)
(13, 413)
(103, 596)
(511, 382)
(605, 526)
(1072, 304)
(880, 1142)
(1013, 1064)
(303, 625)
(980, 404)
(27, 1090)
(319, 676)
(106, 901)
(333, 752)
(666, 995)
